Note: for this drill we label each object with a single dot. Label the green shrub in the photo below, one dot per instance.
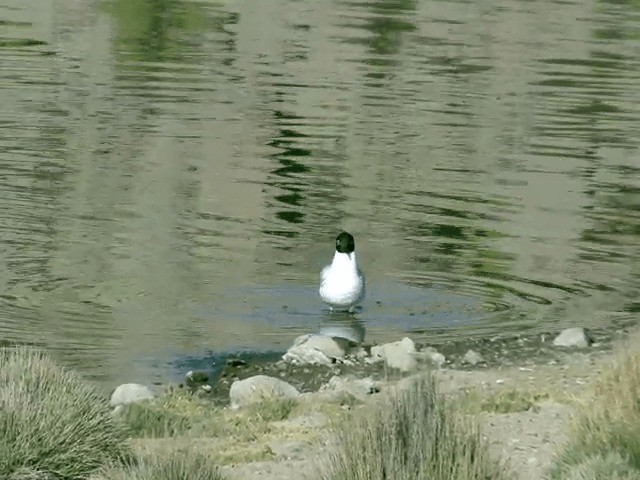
(271, 409)
(174, 465)
(53, 424)
(413, 437)
(151, 419)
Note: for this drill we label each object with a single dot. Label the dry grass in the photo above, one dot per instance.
(173, 465)
(415, 435)
(605, 441)
(53, 424)
(476, 401)
(181, 419)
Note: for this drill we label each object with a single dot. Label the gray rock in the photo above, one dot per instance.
(573, 337)
(359, 354)
(432, 356)
(317, 350)
(130, 393)
(257, 388)
(359, 388)
(472, 358)
(235, 362)
(400, 355)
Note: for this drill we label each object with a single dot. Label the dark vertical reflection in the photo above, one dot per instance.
(288, 176)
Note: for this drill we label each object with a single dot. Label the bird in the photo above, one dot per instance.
(342, 283)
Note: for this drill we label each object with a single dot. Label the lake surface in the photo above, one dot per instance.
(173, 173)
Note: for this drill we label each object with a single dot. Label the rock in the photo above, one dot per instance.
(316, 350)
(130, 393)
(399, 355)
(235, 362)
(472, 358)
(573, 337)
(434, 357)
(359, 354)
(359, 388)
(405, 362)
(257, 388)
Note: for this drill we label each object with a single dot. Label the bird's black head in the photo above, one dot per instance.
(345, 243)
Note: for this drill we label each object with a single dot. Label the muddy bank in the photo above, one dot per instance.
(524, 351)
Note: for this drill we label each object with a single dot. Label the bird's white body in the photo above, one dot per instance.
(342, 284)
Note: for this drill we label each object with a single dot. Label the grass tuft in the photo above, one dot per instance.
(53, 424)
(503, 401)
(174, 465)
(150, 419)
(271, 409)
(183, 413)
(610, 465)
(29, 474)
(414, 436)
(181, 417)
(605, 440)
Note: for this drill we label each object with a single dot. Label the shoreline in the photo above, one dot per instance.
(498, 352)
(523, 405)
(567, 404)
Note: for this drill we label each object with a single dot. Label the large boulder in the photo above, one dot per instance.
(472, 358)
(257, 388)
(130, 393)
(400, 355)
(432, 356)
(359, 388)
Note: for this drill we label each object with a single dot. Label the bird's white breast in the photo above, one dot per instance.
(342, 283)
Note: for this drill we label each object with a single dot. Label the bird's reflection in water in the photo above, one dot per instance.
(342, 325)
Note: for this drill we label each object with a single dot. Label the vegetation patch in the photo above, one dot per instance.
(414, 435)
(476, 401)
(605, 440)
(148, 419)
(53, 424)
(182, 418)
(173, 465)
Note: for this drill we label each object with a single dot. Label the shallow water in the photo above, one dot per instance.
(173, 173)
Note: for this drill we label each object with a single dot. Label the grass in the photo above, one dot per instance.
(415, 435)
(183, 413)
(476, 401)
(53, 424)
(605, 440)
(229, 436)
(174, 465)
(147, 419)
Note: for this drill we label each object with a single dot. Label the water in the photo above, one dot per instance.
(173, 173)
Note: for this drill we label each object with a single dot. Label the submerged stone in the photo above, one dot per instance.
(316, 350)
(573, 337)
(472, 358)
